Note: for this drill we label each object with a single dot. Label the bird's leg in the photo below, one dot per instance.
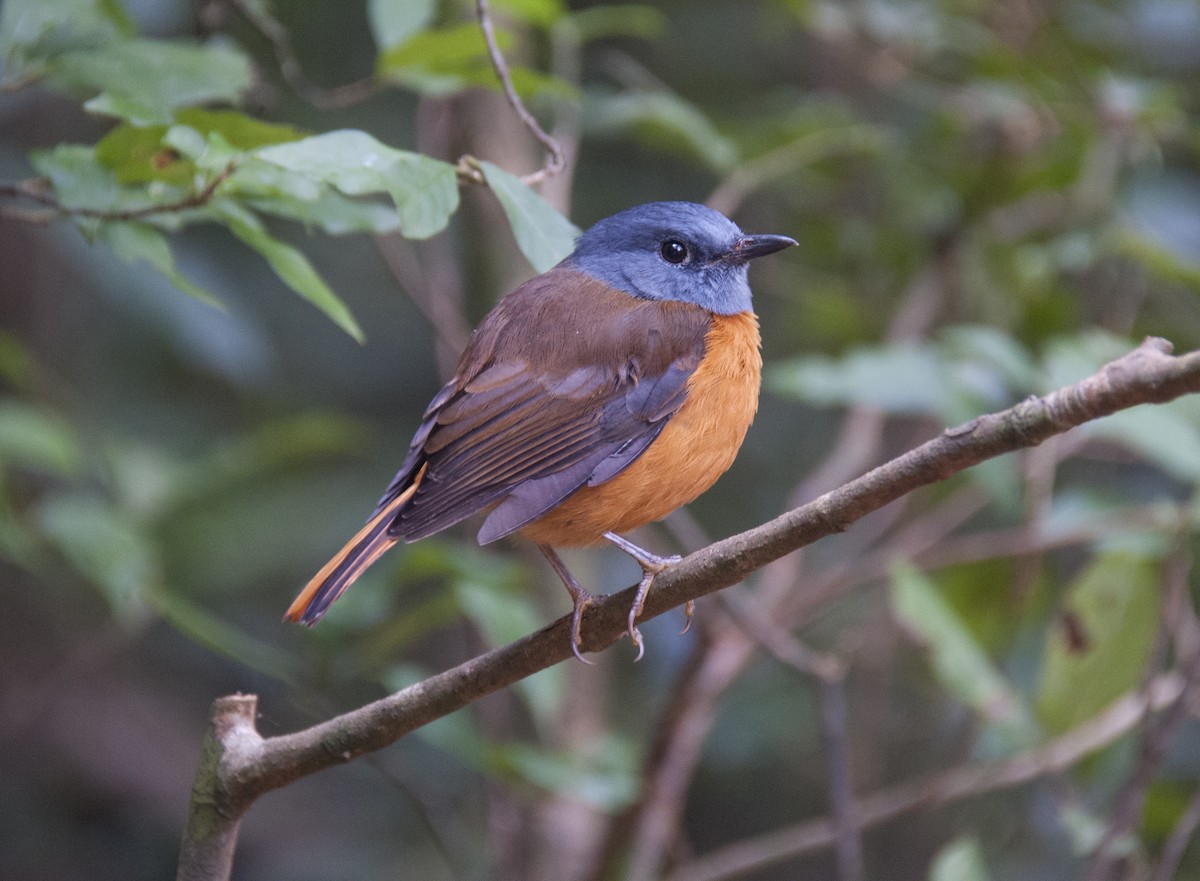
(580, 598)
(651, 564)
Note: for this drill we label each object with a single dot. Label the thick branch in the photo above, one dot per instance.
(250, 766)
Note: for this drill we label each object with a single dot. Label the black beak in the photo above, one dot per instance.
(749, 247)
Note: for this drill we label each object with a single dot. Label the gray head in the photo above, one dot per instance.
(675, 251)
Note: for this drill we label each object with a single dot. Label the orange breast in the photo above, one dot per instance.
(697, 446)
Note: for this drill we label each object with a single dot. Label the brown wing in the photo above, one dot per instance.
(565, 383)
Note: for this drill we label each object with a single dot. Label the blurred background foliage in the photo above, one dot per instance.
(992, 199)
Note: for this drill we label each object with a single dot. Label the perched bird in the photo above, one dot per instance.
(593, 399)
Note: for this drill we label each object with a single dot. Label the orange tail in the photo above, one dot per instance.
(349, 563)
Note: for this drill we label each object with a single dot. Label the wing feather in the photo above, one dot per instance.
(565, 384)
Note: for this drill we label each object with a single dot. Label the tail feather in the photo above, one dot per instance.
(349, 563)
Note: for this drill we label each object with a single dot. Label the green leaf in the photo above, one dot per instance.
(139, 241)
(424, 190)
(904, 378)
(602, 22)
(665, 121)
(1096, 652)
(32, 439)
(79, 180)
(445, 51)
(105, 547)
(332, 212)
(33, 31)
(601, 773)
(960, 860)
(143, 81)
(959, 662)
(137, 155)
(239, 130)
(1167, 435)
(291, 266)
(540, 13)
(394, 21)
(544, 236)
(443, 62)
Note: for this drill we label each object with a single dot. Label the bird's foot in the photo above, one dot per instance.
(652, 565)
(580, 599)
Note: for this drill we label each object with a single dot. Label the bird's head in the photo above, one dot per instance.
(675, 251)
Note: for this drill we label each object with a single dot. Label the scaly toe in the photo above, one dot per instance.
(581, 601)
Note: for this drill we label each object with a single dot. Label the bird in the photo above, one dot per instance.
(593, 399)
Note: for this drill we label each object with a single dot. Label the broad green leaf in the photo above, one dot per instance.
(424, 190)
(904, 378)
(446, 51)
(33, 31)
(291, 266)
(137, 155)
(139, 241)
(541, 13)
(30, 438)
(1096, 652)
(960, 860)
(330, 211)
(665, 121)
(394, 21)
(79, 180)
(601, 773)
(1167, 435)
(241, 131)
(633, 20)
(105, 547)
(443, 62)
(544, 236)
(143, 81)
(959, 662)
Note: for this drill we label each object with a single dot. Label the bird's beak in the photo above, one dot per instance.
(748, 247)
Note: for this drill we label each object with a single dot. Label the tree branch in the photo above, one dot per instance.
(249, 766)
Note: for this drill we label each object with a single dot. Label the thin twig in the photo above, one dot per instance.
(1158, 740)
(37, 190)
(836, 734)
(292, 71)
(556, 160)
(830, 675)
(969, 781)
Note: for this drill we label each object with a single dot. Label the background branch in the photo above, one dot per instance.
(951, 786)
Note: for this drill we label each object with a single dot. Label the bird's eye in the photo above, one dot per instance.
(673, 251)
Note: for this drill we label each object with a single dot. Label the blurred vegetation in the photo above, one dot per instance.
(991, 199)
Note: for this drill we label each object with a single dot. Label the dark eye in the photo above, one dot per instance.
(673, 251)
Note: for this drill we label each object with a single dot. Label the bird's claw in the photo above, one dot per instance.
(580, 600)
(652, 565)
